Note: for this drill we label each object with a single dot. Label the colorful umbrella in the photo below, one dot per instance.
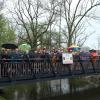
(25, 47)
(73, 48)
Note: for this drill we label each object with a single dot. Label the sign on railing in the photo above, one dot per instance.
(67, 58)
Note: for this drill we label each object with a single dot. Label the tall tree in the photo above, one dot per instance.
(33, 17)
(7, 34)
(75, 13)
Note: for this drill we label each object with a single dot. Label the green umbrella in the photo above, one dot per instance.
(25, 47)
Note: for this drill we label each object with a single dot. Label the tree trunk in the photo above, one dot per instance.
(34, 45)
(69, 41)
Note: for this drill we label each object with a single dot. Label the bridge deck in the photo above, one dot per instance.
(36, 70)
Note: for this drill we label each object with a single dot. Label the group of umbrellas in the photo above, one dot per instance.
(75, 48)
(24, 47)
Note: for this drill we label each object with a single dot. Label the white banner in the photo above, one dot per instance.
(67, 58)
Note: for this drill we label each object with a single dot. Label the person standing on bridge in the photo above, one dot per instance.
(93, 55)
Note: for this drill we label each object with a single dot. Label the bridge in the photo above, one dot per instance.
(43, 69)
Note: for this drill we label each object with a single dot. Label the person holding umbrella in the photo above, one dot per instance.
(4, 54)
(9, 46)
(73, 49)
(6, 50)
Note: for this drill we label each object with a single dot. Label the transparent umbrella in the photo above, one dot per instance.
(25, 47)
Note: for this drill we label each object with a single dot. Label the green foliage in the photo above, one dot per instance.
(7, 34)
(1, 98)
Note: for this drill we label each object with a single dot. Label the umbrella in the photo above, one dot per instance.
(24, 47)
(9, 46)
(85, 53)
(92, 50)
(73, 48)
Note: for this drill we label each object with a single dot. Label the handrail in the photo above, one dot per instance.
(38, 68)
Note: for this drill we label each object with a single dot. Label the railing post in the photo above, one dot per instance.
(69, 69)
(52, 68)
(28, 59)
(83, 70)
(93, 65)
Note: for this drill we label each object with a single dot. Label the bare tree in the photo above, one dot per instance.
(33, 19)
(74, 14)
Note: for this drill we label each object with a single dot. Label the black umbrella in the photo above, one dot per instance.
(9, 46)
(92, 50)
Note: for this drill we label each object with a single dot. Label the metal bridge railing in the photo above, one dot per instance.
(20, 69)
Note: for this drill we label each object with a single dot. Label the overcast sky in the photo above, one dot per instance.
(93, 40)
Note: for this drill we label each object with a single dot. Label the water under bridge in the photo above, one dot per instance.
(19, 70)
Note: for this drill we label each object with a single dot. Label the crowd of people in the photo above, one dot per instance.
(55, 54)
(39, 53)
